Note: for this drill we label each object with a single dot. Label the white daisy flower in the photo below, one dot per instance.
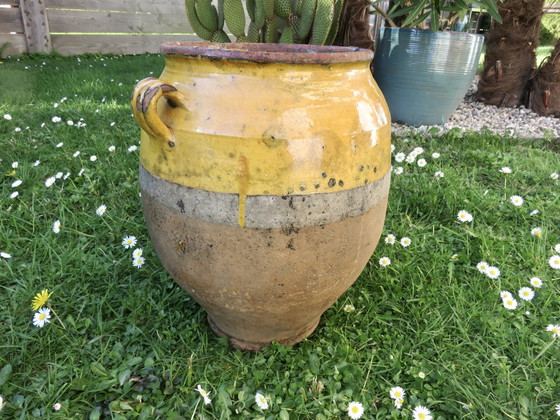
(50, 181)
(536, 282)
(132, 148)
(57, 407)
(58, 175)
(70, 122)
(399, 157)
(509, 303)
(397, 392)
(536, 232)
(60, 144)
(557, 408)
(557, 247)
(7, 117)
(436, 155)
(421, 413)
(418, 151)
(554, 262)
(384, 261)
(390, 239)
(261, 401)
(93, 158)
(129, 241)
(101, 210)
(15, 165)
(56, 119)
(398, 170)
(393, 147)
(138, 261)
(505, 295)
(464, 216)
(439, 174)
(516, 200)
(137, 252)
(81, 172)
(14, 194)
(76, 153)
(17, 183)
(526, 293)
(505, 170)
(37, 163)
(398, 403)
(492, 272)
(41, 317)
(355, 410)
(111, 148)
(421, 162)
(349, 308)
(421, 375)
(554, 329)
(554, 175)
(410, 158)
(482, 266)
(405, 241)
(56, 226)
(534, 212)
(204, 394)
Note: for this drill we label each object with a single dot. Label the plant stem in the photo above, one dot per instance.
(382, 13)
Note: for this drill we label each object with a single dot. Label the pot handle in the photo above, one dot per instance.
(145, 97)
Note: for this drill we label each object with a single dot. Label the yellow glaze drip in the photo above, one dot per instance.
(301, 129)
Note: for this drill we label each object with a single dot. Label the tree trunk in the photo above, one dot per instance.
(545, 96)
(354, 29)
(510, 60)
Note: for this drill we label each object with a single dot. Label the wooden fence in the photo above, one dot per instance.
(91, 26)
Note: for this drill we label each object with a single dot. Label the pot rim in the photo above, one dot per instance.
(428, 32)
(269, 53)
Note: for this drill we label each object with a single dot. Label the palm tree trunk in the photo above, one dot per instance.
(354, 28)
(545, 96)
(510, 61)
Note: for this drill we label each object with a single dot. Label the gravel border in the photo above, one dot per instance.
(476, 116)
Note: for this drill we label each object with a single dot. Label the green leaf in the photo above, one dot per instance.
(412, 18)
(5, 374)
(95, 414)
(123, 376)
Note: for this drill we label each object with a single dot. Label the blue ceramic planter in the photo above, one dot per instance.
(424, 75)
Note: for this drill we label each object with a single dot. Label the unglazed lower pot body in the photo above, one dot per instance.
(264, 172)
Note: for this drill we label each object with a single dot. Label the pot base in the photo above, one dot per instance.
(248, 346)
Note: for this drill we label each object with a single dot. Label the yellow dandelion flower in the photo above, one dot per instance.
(40, 299)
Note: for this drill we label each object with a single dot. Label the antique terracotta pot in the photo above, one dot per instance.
(264, 173)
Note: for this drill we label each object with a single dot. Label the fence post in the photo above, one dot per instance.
(36, 26)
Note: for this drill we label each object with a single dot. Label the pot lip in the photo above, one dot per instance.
(268, 53)
(428, 32)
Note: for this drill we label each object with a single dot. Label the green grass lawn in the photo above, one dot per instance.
(126, 342)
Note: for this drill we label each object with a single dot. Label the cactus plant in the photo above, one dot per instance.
(285, 21)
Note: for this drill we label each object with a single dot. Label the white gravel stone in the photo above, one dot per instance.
(476, 116)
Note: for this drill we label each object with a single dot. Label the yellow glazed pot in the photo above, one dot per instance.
(265, 173)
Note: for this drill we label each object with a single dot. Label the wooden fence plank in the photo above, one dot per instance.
(36, 26)
(117, 44)
(16, 44)
(10, 20)
(11, 3)
(133, 6)
(61, 21)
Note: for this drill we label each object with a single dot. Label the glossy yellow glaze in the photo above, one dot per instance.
(272, 129)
